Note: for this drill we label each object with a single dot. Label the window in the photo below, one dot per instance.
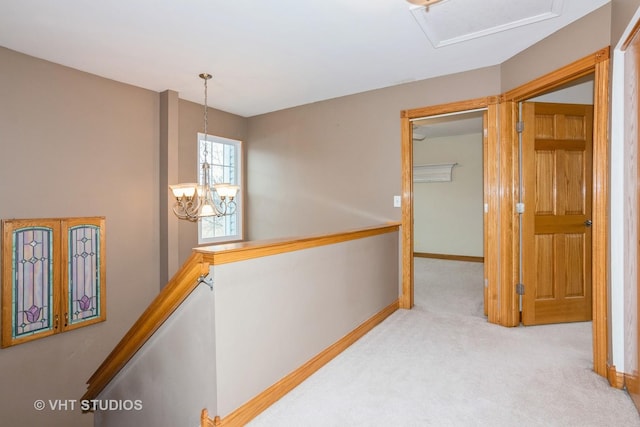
(53, 276)
(225, 157)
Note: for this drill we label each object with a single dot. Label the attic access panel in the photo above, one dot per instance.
(455, 21)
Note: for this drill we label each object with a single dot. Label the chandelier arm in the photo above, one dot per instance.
(182, 214)
(229, 207)
(218, 210)
(221, 208)
(187, 208)
(192, 206)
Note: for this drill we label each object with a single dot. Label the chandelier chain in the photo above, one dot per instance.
(206, 150)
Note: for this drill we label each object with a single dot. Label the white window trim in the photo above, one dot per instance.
(239, 198)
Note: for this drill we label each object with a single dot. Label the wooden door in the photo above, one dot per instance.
(556, 226)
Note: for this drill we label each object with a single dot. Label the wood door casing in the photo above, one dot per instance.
(485, 179)
(557, 177)
(631, 119)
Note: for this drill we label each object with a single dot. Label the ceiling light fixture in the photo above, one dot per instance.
(195, 201)
(425, 3)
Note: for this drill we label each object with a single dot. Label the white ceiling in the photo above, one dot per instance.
(463, 123)
(270, 55)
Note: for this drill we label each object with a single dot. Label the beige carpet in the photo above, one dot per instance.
(442, 364)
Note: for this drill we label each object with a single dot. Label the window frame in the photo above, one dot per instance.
(239, 166)
(60, 281)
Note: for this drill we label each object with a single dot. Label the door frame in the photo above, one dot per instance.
(500, 194)
(407, 116)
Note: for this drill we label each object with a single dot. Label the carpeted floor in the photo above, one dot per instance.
(442, 364)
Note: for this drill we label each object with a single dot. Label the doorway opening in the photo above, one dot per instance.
(448, 190)
(439, 120)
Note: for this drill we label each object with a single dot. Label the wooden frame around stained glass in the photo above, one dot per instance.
(53, 276)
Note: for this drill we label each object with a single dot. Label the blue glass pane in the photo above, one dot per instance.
(32, 299)
(84, 273)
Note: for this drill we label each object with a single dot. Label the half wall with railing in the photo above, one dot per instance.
(242, 324)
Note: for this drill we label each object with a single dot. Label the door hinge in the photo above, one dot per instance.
(520, 289)
(519, 127)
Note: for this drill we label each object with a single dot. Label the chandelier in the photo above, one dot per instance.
(195, 201)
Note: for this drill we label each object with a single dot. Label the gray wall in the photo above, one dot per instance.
(335, 165)
(581, 38)
(74, 144)
(273, 314)
(448, 216)
(173, 376)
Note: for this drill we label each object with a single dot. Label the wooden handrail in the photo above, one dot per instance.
(233, 252)
(171, 296)
(185, 281)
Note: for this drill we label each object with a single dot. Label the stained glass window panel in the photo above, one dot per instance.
(84, 273)
(52, 277)
(32, 300)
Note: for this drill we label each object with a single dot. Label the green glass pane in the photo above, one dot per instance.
(84, 273)
(32, 299)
